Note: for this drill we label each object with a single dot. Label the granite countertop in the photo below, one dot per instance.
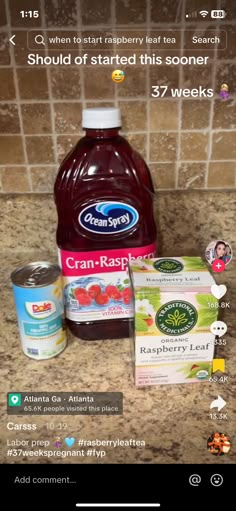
(173, 420)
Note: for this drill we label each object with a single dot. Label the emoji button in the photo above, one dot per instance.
(118, 76)
(216, 480)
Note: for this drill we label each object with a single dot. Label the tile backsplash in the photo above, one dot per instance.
(188, 143)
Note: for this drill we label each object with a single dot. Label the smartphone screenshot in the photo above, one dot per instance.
(118, 246)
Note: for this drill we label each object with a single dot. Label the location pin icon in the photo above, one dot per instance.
(14, 399)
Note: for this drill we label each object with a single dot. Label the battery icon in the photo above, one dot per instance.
(218, 14)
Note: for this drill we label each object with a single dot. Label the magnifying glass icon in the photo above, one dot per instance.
(39, 39)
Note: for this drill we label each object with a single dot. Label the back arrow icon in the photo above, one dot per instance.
(11, 41)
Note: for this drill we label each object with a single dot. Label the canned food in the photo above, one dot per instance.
(38, 296)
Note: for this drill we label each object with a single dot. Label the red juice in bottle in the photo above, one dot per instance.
(104, 198)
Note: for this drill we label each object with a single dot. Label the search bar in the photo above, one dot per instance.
(127, 40)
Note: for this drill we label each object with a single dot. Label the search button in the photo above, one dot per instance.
(39, 39)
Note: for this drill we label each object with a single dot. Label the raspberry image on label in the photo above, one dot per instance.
(78, 292)
(85, 300)
(113, 292)
(126, 294)
(102, 299)
(99, 297)
(94, 290)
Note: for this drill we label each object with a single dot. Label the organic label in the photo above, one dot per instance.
(108, 217)
(176, 318)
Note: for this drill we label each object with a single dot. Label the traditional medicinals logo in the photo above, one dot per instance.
(108, 217)
(168, 266)
(176, 318)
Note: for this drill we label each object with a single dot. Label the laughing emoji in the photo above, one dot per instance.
(118, 76)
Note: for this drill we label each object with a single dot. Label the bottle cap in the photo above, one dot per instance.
(101, 118)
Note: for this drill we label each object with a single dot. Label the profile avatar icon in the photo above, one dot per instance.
(224, 91)
(219, 250)
(218, 444)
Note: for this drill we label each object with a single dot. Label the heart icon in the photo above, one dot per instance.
(69, 441)
(218, 291)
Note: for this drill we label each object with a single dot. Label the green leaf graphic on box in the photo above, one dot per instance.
(208, 312)
(193, 373)
(126, 281)
(155, 301)
(207, 301)
(148, 262)
(176, 319)
(136, 268)
(153, 297)
(186, 369)
(168, 266)
(201, 367)
(140, 324)
(206, 317)
(191, 263)
(141, 315)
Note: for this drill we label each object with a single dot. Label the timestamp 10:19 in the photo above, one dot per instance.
(57, 425)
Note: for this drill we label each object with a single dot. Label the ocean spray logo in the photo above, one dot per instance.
(40, 310)
(108, 217)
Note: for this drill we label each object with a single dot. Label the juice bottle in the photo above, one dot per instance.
(104, 198)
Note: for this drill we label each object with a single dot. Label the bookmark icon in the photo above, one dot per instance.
(218, 364)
